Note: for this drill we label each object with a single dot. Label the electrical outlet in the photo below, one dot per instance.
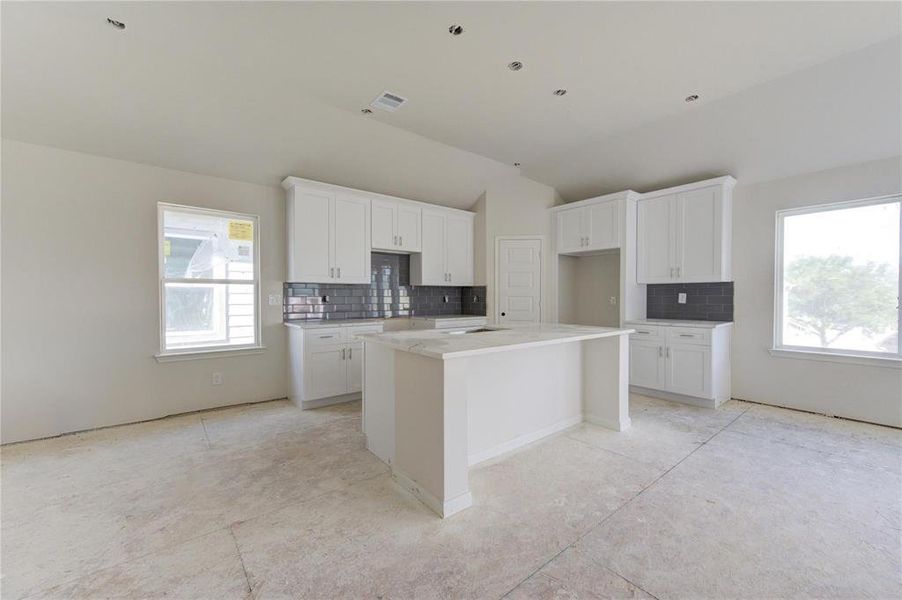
(612, 300)
(325, 299)
(275, 299)
(681, 298)
(445, 299)
(217, 378)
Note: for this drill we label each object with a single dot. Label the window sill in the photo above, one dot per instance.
(849, 359)
(202, 354)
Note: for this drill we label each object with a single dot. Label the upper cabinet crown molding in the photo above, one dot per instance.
(684, 233)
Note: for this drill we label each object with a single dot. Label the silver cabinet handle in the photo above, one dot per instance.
(643, 332)
(342, 354)
(686, 335)
(322, 337)
(394, 240)
(660, 351)
(350, 353)
(400, 240)
(671, 272)
(679, 271)
(331, 271)
(668, 351)
(338, 269)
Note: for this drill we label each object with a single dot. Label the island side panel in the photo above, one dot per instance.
(605, 366)
(521, 395)
(379, 400)
(430, 458)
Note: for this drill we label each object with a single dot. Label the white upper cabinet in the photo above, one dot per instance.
(684, 234)
(328, 235)
(447, 249)
(594, 225)
(396, 225)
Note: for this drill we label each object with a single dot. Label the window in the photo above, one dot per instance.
(209, 280)
(838, 278)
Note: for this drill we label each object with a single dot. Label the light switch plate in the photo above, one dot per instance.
(681, 298)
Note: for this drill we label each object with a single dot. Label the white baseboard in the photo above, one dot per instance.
(307, 404)
(522, 440)
(703, 402)
(621, 425)
(443, 509)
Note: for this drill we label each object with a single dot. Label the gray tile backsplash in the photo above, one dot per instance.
(389, 294)
(704, 301)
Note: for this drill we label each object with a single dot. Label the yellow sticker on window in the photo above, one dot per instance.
(167, 247)
(241, 230)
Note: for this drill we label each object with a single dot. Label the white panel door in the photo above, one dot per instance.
(604, 225)
(326, 373)
(519, 281)
(383, 215)
(647, 364)
(408, 227)
(655, 240)
(433, 251)
(697, 235)
(310, 247)
(459, 250)
(689, 370)
(354, 360)
(571, 232)
(351, 239)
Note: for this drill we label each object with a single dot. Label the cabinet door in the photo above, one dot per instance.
(355, 367)
(326, 373)
(383, 215)
(655, 240)
(432, 258)
(459, 250)
(570, 230)
(603, 225)
(689, 370)
(309, 245)
(647, 364)
(698, 235)
(351, 239)
(408, 229)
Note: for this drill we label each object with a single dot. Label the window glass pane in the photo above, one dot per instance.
(841, 279)
(207, 246)
(207, 314)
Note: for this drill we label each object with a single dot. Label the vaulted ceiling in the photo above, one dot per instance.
(256, 91)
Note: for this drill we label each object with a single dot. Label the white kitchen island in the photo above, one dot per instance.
(437, 402)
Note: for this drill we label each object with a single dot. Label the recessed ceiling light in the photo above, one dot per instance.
(692, 98)
(455, 30)
(117, 24)
(366, 111)
(560, 92)
(515, 66)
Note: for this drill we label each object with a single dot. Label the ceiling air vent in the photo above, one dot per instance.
(388, 101)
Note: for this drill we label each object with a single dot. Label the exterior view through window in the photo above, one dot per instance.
(209, 277)
(838, 278)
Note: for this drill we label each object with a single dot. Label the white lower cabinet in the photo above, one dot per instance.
(326, 363)
(684, 363)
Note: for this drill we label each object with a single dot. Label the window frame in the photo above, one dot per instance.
(194, 352)
(831, 354)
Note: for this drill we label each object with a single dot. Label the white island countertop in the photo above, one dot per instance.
(444, 344)
(679, 323)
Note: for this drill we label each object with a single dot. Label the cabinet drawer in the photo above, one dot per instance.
(322, 338)
(351, 333)
(689, 335)
(645, 332)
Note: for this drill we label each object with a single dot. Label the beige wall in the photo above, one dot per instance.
(855, 391)
(597, 278)
(513, 206)
(80, 294)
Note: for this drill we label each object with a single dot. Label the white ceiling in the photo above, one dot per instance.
(257, 91)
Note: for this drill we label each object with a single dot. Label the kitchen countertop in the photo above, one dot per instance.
(444, 344)
(352, 322)
(678, 323)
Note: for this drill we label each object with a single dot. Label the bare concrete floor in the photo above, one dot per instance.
(267, 501)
